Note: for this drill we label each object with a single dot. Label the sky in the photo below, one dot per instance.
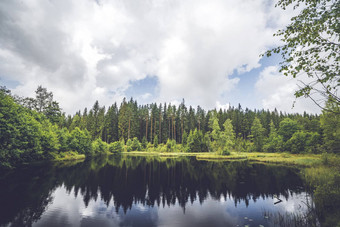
(206, 52)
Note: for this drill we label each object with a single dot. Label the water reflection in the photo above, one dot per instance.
(148, 191)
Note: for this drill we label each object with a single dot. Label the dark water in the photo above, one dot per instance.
(149, 191)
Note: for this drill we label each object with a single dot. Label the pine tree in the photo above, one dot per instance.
(257, 134)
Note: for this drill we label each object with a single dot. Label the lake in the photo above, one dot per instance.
(121, 190)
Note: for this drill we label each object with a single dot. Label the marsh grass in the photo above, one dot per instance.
(302, 160)
(68, 155)
(306, 219)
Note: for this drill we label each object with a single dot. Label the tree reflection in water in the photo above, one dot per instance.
(122, 181)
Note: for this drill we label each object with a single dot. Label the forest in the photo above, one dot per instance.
(33, 129)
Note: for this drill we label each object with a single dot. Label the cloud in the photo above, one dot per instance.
(88, 50)
(145, 96)
(277, 91)
(222, 106)
(207, 44)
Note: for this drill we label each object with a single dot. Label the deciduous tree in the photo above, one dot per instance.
(312, 47)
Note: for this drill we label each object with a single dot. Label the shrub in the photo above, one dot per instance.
(99, 146)
(116, 147)
(136, 146)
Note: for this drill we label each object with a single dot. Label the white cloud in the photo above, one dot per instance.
(222, 106)
(88, 50)
(145, 96)
(277, 91)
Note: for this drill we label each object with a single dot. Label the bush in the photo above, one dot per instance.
(225, 151)
(128, 145)
(116, 147)
(155, 141)
(170, 145)
(136, 146)
(144, 143)
(149, 146)
(99, 146)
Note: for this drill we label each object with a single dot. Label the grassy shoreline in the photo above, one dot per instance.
(302, 160)
(68, 156)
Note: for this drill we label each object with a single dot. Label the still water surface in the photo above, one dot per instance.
(149, 191)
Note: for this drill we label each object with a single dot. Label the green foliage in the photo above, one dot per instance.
(287, 128)
(27, 135)
(223, 141)
(43, 99)
(228, 137)
(128, 145)
(327, 196)
(76, 122)
(53, 112)
(196, 142)
(127, 120)
(274, 143)
(257, 134)
(325, 181)
(43, 103)
(184, 139)
(99, 147)
(207, 141)
(216, 130)
(96, 120)
(64, 138)
(80, 141)
(217, 143)
(311, 46)
(149, 146)
(49, 138)
(110, 126)
(144, 142)
(116, 147)
(22, 136)
(242, 145)
(171, 145)
(302, 142)
(155, 141)
(136, 146)
(330, 123)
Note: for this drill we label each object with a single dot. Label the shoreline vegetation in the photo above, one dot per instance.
(299, 160)
(35, 130)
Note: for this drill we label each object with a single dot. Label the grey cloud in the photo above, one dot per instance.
(81, 48)
(36, 37)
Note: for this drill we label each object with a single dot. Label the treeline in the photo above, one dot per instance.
(36, 128)
(198, 130)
